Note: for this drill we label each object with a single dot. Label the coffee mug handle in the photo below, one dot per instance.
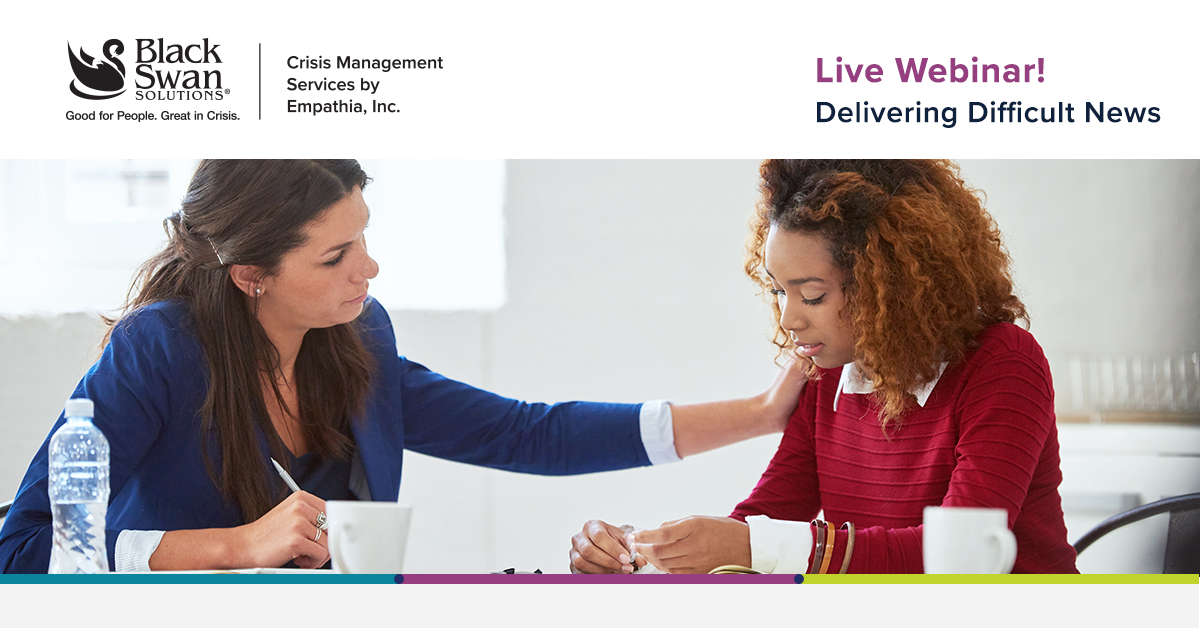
(334, 543)
(1008, 550)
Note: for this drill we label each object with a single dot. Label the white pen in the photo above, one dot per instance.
(287, 479)
(322, 521)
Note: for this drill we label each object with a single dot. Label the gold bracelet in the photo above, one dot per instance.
(849, 546)
(820, 549)
(734, 569)
(830, 537)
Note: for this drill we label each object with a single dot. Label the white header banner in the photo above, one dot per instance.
(464, 79)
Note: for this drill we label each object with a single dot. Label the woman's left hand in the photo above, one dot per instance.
(696, 544)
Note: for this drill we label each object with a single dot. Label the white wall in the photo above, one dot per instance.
(1107, 252)
(625, 284)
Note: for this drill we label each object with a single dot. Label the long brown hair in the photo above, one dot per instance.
(253, 212)
(925, 267)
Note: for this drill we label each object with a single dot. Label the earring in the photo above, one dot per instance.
(258, 292)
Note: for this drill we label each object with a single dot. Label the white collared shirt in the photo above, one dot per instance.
(854, 382)
(778, 546)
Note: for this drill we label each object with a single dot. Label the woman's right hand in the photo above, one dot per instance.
(600, 548)
(285, 534)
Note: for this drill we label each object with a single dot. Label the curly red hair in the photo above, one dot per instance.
(925, 267)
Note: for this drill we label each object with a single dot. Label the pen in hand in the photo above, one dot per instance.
(287, 479)
(322, 521)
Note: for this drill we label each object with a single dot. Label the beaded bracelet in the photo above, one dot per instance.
(849, 527)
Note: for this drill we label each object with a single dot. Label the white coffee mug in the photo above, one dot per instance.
(367, 537)
(968, 540)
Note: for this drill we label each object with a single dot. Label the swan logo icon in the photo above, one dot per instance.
(98, 79)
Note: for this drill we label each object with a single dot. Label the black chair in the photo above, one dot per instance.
(1183, 530)
(4, 508)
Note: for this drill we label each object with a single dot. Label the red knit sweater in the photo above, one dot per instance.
(985, 438)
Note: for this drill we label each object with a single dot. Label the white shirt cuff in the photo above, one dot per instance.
(778, 546)
(658, 432)
(134, 548)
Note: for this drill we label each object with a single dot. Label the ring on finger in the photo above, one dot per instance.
(318, 536)
(322, 521)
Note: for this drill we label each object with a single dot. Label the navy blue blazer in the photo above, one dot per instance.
(149, 385)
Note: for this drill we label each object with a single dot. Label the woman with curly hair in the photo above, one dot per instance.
(892, 288)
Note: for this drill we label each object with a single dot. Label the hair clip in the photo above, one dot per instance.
(214, 248)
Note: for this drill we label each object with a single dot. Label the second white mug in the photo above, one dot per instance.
(967, 540)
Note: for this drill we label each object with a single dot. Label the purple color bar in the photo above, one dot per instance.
(598, 579)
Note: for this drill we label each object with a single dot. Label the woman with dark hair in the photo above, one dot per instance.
(892, 288)
(251, 337)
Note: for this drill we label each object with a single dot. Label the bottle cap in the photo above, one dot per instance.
(80, 407)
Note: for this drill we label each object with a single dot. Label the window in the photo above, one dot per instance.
(437, 231)
(73, 233)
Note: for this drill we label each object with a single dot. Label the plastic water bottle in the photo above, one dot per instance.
(79, 492)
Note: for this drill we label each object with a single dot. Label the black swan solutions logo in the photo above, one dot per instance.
(98, 79)
(150, 70)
